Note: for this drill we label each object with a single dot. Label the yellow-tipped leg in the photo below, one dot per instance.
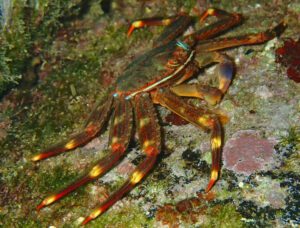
(135, 178)
(216, 145)
(149, 22)
(92, 216)
(134, 25)
(102, 167)
(207, 13)
(121, 131)
(213, 178)
(149, 136)
(201, 118)
(47, 201)
(95, 124)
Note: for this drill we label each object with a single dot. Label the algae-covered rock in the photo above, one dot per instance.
(27, 27)
(60, 57)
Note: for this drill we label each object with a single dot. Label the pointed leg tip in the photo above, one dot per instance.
(42, 155)
(40, 206)
(92, 216)
(86, 220)
(130, 30)
(36, 158)
(210, 185)
(278, 29)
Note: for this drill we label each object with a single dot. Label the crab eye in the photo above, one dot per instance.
(183, 45)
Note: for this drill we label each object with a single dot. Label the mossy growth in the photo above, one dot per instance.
(61, 102)
(121, 218)
(29, 27)
(224, 216)
(288, 148)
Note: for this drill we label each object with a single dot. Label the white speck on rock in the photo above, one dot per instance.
(241, 184)
(270, 44)
(263, 92)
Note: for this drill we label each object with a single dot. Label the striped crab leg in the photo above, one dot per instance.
(249, 39)
(97, 120)
(225, 21)
(121, 131)
(149, 22)
(149, 136)
(207, 54)
(175, 27)
(178, 24)
(199, 117)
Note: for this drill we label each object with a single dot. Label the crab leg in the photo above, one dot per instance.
(217, 13)
(175, 27)
(120, 135)
(178, 24)
(149, 136)
(225, 22)
(199, 117)
(212, 95)
(229, 42)
(226, 67)
(149, 22)
(91, 129)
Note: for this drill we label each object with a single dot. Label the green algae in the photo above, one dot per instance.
(121, 218)
(292, 163)
(32, 25)
(224, 216)
(289, 148)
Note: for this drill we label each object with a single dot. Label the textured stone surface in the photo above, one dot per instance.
(246, 153)
(87, 54)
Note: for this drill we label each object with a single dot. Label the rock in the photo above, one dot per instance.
(247, 153)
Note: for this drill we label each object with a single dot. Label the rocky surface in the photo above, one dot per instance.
(69, 61)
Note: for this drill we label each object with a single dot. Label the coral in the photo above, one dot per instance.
(247, 153)
(289, 56)
(190, 211)
(199, 211)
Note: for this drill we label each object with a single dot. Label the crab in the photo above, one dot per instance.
(159, 77)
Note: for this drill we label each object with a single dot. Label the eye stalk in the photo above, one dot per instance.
(183, 45)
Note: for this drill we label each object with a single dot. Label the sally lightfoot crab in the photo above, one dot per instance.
(159, 77)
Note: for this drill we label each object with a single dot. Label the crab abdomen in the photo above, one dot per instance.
(153, 68)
